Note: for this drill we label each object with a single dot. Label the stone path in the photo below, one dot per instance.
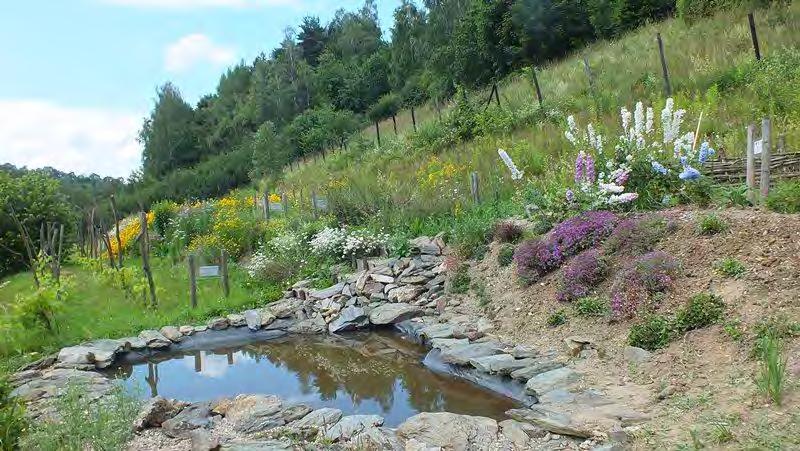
(405, 293)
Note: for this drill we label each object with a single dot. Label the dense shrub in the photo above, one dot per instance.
(557, 318)
(653, 332)
(505, 256)
(508, 232)
(636, 236)
(700, 311)
(12, 417)
(785, 197)
(591, 306)
(164, 212)
(641, 282)
(460, 280)
(711, 224)
(537, 257)
(583, 273)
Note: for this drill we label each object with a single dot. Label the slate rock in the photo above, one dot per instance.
(310, 326)
(393, 314)
(328, 292)
(218, 323)
(350, 318)
(192, 417)
(319, 419)
(378, 438)
(461, 355)
(351, 425)
(154, 339)
(155, 412)
(172, 333)
(236, 320)
(535, 369)
(550, 380)
(286, 307)
(550, 420)
(450, 431)
(500, 364)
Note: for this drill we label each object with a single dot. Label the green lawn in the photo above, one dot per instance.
(97, 310)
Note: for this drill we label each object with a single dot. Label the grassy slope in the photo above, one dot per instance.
(700, 56)
(97, 310)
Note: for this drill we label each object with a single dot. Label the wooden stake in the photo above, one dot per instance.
(192, 281)
(536, 85)
(116, 223)
(667, 85)
(766, 137)
(413, 119)
(266, 206)
(754, 35)
(378, 132)
(497, 94)
(751, 164)
(314, 204)
(394, 123)
(226, 288)
(475, 187)
(144, 246)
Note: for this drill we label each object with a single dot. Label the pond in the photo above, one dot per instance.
(360, 373)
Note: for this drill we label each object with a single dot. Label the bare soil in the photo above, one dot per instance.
(701, 389)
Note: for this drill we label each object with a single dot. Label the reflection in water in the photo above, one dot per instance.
(369, 373)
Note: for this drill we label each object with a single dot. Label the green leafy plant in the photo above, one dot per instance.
(700, 311)
(730, 267)
(733, 329)
(12, 418)
(557, 318)
(591, 306)
(460, 280)
(711, 224)
(772, 374)
(479, 287)
(104, 424)
(505, 256)
(653, 332)
(778, 326)
(785, 197)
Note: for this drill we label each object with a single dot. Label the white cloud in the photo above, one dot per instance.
(36, 133)
(196, 4)
(193, 49)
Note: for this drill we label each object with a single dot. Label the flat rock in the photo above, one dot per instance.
(255, 413)
(156, 411)
(550, 380)
(500, 363)
(154, 339)
(201, 328)
(253, 319)
(550, 420)
(202, 440)
(535, 369)
(515, 432)
(393, 314)
(285, 307)
(450, 431)
(350, 318)
(218, 323)
(309, 326)
(318, 419)
(378, 438)
(258, 445)
(636, 355)
(172, 333)
(352, 425)
(461, 355)
(441, 343)
(192, 417)
(405, 294)
(382, 278)
(523, 352)
(77, 355)
(437, 331)
(187, 330)
(236, 320)
(327, 292)
(426, 245)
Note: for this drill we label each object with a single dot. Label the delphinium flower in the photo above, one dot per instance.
(689, 173)
(705, 153)
(579, 167)
(658, 167)
(516, 174)
(570, 196)
(623, 198)
(571, 131)
(648, 126)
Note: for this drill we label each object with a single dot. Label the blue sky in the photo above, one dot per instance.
(78, 76)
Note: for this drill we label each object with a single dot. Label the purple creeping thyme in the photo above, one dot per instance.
(535, 258)
(583, 273)
(641, 281)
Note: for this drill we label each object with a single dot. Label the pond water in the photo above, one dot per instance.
(361, 373)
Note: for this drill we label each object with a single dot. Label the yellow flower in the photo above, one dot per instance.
(274, 198)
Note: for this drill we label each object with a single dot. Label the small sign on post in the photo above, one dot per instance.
(758, 146)
(205, 272)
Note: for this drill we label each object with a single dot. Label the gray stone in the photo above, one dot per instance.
(187, 330)
(154, 339)
(253, 319)
(437, 331)
(319, 419)
(77, 355)
(351, 425)
(155, 412)
(393, 313)
(636, 355)
(550, 420)
(461, 355)
(414, 280)
(405, 294)
(236, 320)
(382, 278)
(514, 431)
(500, 363)
(218, 323)
(310, 326)
(425, 245)
(450, 431)
(202, 440)
(258, 445)
(535, 369)
(378, 438)
(190, 418)
(172, 333)
(484, 326)
(441, 343)
(350, 318)
(523, 352)
(550, 380)
(255, 413)
(285, 307)
(201, 328)
(328, 292)
(134, 343)
(266, 317)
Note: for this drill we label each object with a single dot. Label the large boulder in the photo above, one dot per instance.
(450, 431)
(172, 333)
(350, 426)
(393, 313)
(318, 419)
(255, 413)
(550, 380)
(350, 318)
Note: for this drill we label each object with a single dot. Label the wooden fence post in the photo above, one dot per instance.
(266, 206)
(766, 137)
(665, 71)
(475, 187)
(314, 204)
(226, 287)
(116, 223)
(781, 148)
(144, 245)
(497, 94)
(413, 119)
(536, 85)
(285, 202)
(751, 164)
(754, 35)
(378, 132)
(192, 281)
(588, 70)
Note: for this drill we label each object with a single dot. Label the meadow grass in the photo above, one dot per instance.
(97, 310)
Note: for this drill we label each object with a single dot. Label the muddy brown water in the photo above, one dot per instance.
(361, 373)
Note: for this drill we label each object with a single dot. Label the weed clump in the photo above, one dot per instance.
(711, 224)
(785, 197)
(505, 256)
(653, 332)
(460, 281)
(508, 232)
(772, 376)
(591, 306)
(702, 310)
(730, 267)
(557, 318)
